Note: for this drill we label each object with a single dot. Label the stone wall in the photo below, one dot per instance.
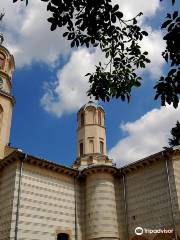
(47, 204)
(176, 191)
(7, 187)
(148, 198)
(101, 209)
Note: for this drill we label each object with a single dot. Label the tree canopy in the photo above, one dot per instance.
(93, 23)
(168, 87)
(175, 136)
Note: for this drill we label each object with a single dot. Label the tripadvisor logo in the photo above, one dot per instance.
(139, 231)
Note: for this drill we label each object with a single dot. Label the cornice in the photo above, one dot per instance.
(8, 78)
(17, 155)
(6, 94)
(99, 168)
(42, 163)
(90, 124)
(142, 163)
(6, 51)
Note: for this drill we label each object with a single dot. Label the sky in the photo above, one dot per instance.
(50, 86)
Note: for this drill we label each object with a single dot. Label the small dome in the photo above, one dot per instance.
(91, 104)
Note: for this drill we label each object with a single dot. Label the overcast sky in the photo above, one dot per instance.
(49, 86)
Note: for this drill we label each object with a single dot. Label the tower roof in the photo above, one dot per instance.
(91, 104)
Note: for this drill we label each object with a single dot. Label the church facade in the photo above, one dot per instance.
(93, 199)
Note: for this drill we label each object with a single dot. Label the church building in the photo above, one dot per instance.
(93, 199)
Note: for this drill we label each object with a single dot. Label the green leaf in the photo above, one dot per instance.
(171, 72)
(78, 22)
(166, 57)
(166, 23)
(95, 45)
(144, 33)
(137, 84)
(175, 102)
(77, 43)
(65, 34)
(113, 18)
(53, 26)
(87, 44)
(115, 8)
(119, 14)
(175, 14)
(123, 97)
(170, 27)
(107, 54)
(134, 21)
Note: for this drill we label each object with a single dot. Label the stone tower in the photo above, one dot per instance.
(6, 99)
(91, 136)
(98, 174)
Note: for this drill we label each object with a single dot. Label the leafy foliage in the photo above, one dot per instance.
(175, 132)
(93, 23)
(168, 87)
(21, 1)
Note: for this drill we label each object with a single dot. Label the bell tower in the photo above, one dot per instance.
(91, 136)
(6, 99)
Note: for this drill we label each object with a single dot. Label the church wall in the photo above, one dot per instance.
(176, 190)
(47, 204)
(7, 187)
(6, 123)
(120, 207)
(148, 200)
(100, 203)
(98, 134)
(6, 86)
(6, 100)
(80, 191)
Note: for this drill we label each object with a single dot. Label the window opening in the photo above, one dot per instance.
(62, 236)
(81, 149)
(101, 147)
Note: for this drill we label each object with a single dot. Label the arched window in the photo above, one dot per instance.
(99, 118)
(90, 119)
(81, 149)
(101, 147)
(82, 119)
(91, 146)
(1, 117)
(62, 236)
(2, 61)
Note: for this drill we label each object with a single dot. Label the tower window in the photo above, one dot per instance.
(101, 147)
(62, 236)
(90, 119)
(2, 61)
(81, 149)
(91, 146)
(82, 119)
(99, 118)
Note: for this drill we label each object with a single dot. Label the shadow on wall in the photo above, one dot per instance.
(164, 237)
(139, 238)
(157, 237)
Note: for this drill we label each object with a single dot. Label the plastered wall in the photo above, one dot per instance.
(7, 192)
